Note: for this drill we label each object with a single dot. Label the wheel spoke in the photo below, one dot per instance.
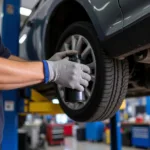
(61, 93)
(76, 105)
(87, 92)
(79, 43)
(71, 105)
(93, 77)
(73, 42)
(66, 46)
(61, 90)
(61, 87)
(92, 65)
(86, 51)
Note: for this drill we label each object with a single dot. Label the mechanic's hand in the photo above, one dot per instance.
(62, 55)
(69, 74)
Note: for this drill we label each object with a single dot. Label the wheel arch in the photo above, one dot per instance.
(64, 13)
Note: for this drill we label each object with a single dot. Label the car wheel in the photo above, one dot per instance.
(110, 76)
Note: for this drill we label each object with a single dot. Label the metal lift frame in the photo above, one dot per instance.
(116, 140)
(10, 37)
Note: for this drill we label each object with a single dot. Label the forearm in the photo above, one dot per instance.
(15, 58)
(14, 72)
(16, 86)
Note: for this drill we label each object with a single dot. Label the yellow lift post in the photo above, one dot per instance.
(40, 104)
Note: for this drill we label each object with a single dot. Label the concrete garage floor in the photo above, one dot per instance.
(72, 144)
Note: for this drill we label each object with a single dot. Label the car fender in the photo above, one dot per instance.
(87, 5)
(105, 15)
(84, 4)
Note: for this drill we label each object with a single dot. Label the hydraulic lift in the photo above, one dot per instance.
(10, 36)
(12, 100)
(116, 141)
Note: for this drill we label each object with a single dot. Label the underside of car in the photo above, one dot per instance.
(139, 82)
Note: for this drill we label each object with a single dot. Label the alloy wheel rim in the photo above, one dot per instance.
(84, 48)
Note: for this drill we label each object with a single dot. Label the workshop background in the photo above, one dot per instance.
(50, 130)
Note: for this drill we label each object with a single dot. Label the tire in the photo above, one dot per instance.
(111, 84)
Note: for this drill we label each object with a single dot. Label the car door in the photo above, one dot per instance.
(27, 39)
(136, 22)
(134, 10)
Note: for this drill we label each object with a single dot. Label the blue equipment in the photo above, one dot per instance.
(141, 136)
(94, 131)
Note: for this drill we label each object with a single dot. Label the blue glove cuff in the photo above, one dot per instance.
(46, 71)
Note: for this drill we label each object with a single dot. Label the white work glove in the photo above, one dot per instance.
(69, 74)
(62, 55)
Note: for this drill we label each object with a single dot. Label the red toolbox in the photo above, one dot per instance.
(68, 129)
(55, 134)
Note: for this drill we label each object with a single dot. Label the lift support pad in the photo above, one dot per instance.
(40, 104)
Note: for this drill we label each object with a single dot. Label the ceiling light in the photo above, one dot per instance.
(22, 39)
(25, 11)
(55, 101)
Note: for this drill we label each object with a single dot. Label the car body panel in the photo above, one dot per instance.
(109, 17)
(43, 15)
(136, 31)
(108, 14)
(134, 10)
(27, 48)
(98, 11)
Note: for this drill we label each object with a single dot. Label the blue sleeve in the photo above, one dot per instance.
(46, 72)
(4, 52)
